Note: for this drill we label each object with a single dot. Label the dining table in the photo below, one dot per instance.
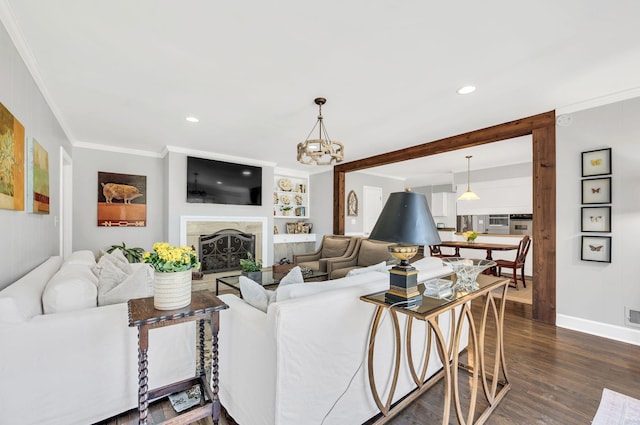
(488, 247)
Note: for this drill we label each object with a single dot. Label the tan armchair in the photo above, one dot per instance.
(332, 247)
(367, 253)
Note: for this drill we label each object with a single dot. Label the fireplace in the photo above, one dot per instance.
(222, 251)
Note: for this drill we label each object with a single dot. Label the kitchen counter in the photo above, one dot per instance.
(493, 234)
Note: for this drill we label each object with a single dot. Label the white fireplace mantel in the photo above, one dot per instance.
(184, 219)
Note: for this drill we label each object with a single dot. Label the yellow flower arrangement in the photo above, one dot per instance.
(470, 236)
(168, 259)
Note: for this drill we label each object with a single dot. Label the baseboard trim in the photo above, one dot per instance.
(605, 330)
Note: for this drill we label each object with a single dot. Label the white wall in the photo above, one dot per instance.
(29, 239)
(592, 296)
(86, 232)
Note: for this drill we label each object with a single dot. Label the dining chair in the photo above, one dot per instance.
(518, 263)
(436, 251)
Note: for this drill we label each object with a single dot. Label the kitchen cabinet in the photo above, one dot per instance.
(508, 196)
(439, 202)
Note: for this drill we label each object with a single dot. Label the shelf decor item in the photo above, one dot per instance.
(596, 248)
(596, 162)
(596, 191)
(172, 274)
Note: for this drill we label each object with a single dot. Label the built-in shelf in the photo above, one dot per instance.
(293, 192)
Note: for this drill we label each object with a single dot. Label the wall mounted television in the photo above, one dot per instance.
(218, 182)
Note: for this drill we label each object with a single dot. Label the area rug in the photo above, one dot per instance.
(520, 295)
(617, 409)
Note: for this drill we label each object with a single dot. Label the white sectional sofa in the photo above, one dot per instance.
(304, 360)
(78, 363)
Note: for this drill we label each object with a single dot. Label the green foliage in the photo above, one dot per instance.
(134, 255)
(250, 264)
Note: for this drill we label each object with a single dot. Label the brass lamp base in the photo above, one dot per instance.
(403, 278)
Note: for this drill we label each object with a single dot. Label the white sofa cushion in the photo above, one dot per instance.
(116, 258)
(82, 257)
(294, 276)
(116, 287)
(430, 267)
(9, 312)
(380, 267)
(73, 287)
(313, 288)
(27, 291)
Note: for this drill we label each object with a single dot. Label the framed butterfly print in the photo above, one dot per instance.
(596, 248)
(596, 191)
(596, 219)
(596, 163)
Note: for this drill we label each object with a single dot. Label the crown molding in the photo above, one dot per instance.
(8, 20)
(117, 149)
(219, 156)
(599, 101)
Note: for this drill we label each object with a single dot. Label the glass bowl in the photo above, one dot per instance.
(467, 271)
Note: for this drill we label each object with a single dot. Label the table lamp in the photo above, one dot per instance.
(407, 221)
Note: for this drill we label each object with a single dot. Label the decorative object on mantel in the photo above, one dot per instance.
(469, 195)
(172, 274)
(251, 267)
(321, 151)
(352, 204)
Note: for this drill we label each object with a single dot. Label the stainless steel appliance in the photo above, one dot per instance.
(521, 224)
(464, 223)
(498, 223)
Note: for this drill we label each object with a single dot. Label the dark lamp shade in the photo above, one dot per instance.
(406, 219)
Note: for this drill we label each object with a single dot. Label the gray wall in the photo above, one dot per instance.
(589, 292)
(86, 232)
(29, 239)
(355, 181)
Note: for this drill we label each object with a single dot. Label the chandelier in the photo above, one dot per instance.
(322, 151)
(469, 195)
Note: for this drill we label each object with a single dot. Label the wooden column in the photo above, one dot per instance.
(542, 129)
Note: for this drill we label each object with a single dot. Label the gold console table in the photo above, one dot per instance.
(493, 382)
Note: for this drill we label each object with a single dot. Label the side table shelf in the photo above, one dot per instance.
(204, 306)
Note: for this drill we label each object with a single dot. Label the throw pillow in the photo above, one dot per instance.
(83, 257)
(294, 276)
(139, 284)
(72, 288)
(118, 260)
(380, 267)
(334, 247)
(255, 294)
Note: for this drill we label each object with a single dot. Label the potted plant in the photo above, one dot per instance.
(172, 274)
(251, 267)
(134, 255)
(286, 209)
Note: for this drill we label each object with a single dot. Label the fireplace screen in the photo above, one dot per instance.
(223, 250)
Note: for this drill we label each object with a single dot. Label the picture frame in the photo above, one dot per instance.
(596, 162)
(596, 248)
(596, 219)
(352, 204)
(596, 191)
(12, 161)
(37, 178)
(122, 200)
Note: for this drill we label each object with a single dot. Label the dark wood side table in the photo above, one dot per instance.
(204, 305)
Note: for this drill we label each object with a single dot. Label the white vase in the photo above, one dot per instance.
(171, 290)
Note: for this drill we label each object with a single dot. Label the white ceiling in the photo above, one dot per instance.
(126, 73)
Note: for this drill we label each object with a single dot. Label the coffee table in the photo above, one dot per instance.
(267, 279)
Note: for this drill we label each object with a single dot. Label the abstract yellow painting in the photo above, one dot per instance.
(11, 161)
(37, 178)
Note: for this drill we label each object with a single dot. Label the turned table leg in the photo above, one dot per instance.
(143, 346)
(215, 327)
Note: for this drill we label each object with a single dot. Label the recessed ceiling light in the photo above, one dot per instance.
(193, 119)
(466, 89)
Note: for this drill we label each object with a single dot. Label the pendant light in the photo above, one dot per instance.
(468, 195)
(322, 151)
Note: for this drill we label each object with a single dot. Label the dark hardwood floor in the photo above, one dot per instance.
(557, 378)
